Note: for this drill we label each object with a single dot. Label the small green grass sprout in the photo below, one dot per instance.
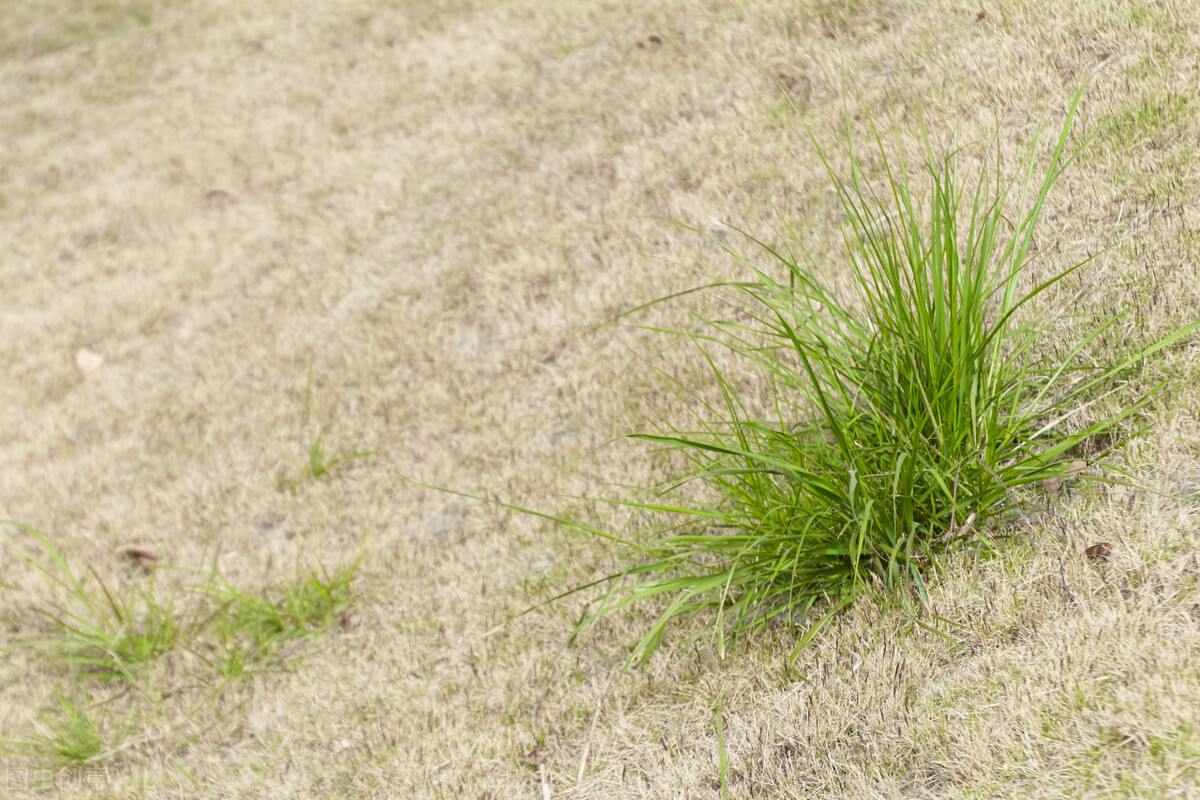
(319, 462)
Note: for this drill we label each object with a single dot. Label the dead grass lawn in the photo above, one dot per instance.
(433, 205)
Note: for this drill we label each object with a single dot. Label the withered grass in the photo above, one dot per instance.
(434, 206)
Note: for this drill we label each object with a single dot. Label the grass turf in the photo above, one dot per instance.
(433, 207)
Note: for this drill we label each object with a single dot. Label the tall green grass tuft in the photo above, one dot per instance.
(903, 416)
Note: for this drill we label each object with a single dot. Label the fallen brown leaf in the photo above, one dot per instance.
(535, 757)
(139, 553)
(1054, 485)
(798, 86)
(218, 198)
(291, 648)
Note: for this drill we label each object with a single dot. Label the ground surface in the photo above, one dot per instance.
(432, 206)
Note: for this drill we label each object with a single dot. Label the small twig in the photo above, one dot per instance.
(1016, 501)
(953, 508)
(546, 792)
(116, 696)
(592, 729)
(997, 477)
(1062, 574)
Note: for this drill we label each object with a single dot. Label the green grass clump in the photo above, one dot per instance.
(68, 736)
(248, 628)
(99, 635)
(901, 418)
(105, 634)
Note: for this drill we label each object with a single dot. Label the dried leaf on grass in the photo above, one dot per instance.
(535, 757)
(140, 554)
(87, 361)
(1054, 485)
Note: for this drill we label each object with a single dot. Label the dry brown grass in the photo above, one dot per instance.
(433, 204)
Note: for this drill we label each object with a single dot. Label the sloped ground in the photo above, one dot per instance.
(432, 206)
